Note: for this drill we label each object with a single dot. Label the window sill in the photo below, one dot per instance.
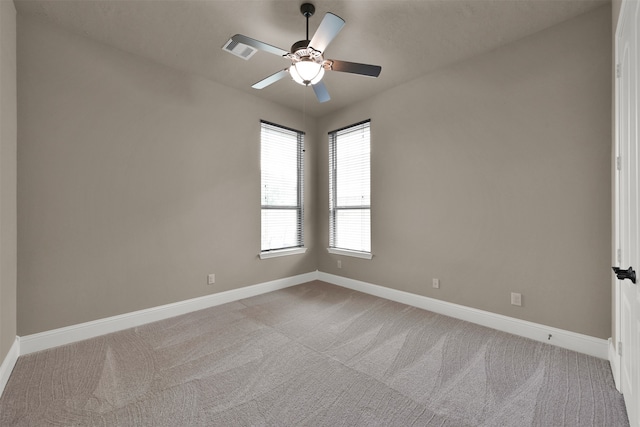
(282, 252)
(345, 252)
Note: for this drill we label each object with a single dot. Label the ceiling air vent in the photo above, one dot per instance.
(238, 49)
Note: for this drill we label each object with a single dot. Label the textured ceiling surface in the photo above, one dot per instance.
(407, 38)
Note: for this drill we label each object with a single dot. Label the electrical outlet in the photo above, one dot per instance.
(435, 283)
(211, 279)
(516, 299)
(339, 263)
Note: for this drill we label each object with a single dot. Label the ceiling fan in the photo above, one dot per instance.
(307, 61)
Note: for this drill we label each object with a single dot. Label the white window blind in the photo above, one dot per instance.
(350, 188)
(281, 167)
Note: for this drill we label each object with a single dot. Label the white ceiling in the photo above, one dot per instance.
(407, 38)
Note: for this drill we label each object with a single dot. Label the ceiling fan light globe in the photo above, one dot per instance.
(306, 72)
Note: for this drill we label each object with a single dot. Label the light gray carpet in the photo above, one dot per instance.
(311, 355)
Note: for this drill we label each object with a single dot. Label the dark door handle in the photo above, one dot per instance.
(625, 274)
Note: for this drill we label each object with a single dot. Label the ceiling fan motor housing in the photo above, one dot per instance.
(302, 44)
(302, 51)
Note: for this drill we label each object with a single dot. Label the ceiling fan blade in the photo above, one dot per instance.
(353, 67)
(329, 28)
(321, 91)
(239, 38)
(271, 79)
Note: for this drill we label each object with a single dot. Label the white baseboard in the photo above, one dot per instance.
(8, 363)
(570, 340)
(82, 331)
(566, 339)
(614, 361)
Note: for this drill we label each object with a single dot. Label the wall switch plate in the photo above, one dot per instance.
(516, 299)
(339, 263)
(211, 279)
(435, 283)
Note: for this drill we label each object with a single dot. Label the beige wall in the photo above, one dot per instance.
(493, 175)
(615, 12)
(8, 140)
(135, 182)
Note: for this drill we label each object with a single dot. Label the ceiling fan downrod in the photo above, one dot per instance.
(307, 10)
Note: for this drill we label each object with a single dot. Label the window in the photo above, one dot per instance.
(281, 167)
(349, 191)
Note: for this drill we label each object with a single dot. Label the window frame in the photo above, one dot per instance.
(334, 208)
(298, 248)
